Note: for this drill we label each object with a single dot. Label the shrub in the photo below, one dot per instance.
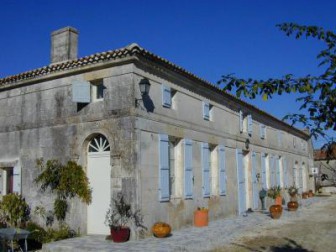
(14, 210)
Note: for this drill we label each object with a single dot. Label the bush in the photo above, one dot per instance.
(37, 232)
(41, 235)
(14, 210)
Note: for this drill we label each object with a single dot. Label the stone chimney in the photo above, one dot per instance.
(64, 45)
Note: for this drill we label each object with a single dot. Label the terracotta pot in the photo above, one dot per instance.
(278, 200)
(304, 195)
(161, 229)
(275, 211)
(201, 218)
(292, 205)
(310, 194)
(120, 234)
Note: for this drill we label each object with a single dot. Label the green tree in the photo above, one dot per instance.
(317, 94)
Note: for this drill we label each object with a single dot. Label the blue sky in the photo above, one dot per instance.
(209, 38)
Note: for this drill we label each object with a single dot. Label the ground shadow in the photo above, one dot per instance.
(290, 246)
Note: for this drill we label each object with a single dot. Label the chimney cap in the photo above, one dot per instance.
(64, 29)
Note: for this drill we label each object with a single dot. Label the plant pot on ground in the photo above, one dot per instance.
(201, 217)
(119, 216)
(292, 205)
(276, 209)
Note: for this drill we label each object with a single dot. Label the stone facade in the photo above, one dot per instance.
(40, 119)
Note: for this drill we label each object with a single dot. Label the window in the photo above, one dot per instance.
(245, 123)
(206, 110)
(222, 170)
(164, 191)
(241, 121)
(169, 176)
(188, 170)
(264, 173)
(11, 180)
(166, 96)
(262, 131)
(249, 124)
(97, 90)
(272, 168)
(85, 92)
(285, 172)
(279, 173)
(206, 166)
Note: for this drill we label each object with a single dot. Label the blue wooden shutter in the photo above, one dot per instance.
(81, 91)
(241, 121)
(255, 191)
(222, 170)
(272, 169)
(263, 171)
(17, 178)
(205, 169)
(249, 124)
(166, 96)
(206, 111)
(188, 170)
(278, 173)
(295, 176)
(285, 172)
(241, 181)
(164, 168)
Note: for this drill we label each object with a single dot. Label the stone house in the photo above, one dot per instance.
(325, 164)
(184, 144)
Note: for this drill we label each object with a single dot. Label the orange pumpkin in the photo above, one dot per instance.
(161, 229)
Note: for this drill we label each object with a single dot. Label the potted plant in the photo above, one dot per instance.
(292, 191)
(293, 205)
(119, 216)
(276, 209)
(201, 217)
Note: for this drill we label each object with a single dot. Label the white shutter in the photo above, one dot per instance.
(166, 96)
(278, 172)
(241, 121)
(263, 171)
(262, 131)
(206, 111)
(164, 168)
(81, 91)
(249, 124)
(206, 169)
(272, 169)
(285, 172)
(17, 178)
(188, 170)
(222, 170)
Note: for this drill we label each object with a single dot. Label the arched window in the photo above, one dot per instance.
(99, 144)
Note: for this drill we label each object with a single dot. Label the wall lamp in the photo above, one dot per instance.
(144, 86)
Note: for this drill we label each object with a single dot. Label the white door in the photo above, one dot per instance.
(99, 174)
